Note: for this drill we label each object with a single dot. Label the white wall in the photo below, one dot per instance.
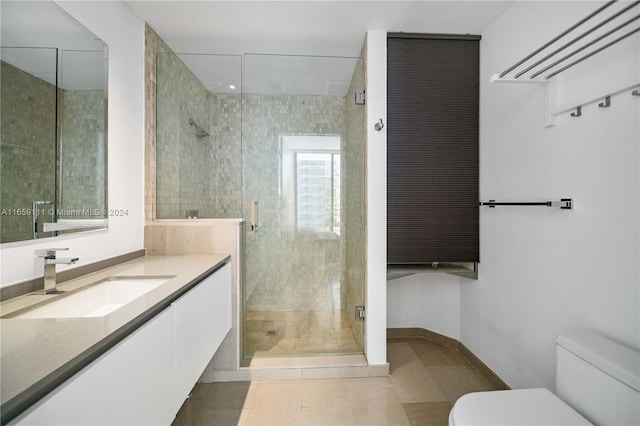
(546, 271)
(376, 316)
(123, 31)
(428, 300)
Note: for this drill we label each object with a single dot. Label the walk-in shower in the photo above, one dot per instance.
(286, 135)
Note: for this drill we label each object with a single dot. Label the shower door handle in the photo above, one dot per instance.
(254, 216)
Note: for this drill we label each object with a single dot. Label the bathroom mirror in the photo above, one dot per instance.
(53, 115)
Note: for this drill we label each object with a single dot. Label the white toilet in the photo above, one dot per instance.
(599, 378)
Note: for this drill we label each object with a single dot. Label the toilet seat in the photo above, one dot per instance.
(514, 407)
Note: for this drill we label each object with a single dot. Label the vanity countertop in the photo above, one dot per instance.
(37, 355)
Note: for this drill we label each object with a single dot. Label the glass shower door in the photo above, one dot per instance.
(296, 121)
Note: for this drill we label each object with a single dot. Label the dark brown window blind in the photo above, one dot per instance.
(432, 152)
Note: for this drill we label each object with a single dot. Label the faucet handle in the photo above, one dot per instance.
(49, 252)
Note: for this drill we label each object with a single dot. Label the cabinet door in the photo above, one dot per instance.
(203, 318)
(131, 384)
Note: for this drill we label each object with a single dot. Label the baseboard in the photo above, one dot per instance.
(421, 333)
(432, 336)
(489, 374)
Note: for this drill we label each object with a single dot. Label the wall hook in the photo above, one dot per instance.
(636, 92)
(379, 125)
(606, 103)
(578, 112)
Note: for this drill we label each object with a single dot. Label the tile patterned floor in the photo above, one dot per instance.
(424, 382)
(290, 333)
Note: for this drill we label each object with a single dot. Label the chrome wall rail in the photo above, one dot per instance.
(566, 44)
(578, 50)
(596, 32)
(564, 203)
(558, 37)
(590, 54)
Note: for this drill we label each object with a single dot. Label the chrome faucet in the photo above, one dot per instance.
(50, 262)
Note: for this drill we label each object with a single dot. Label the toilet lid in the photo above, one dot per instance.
(514, 407)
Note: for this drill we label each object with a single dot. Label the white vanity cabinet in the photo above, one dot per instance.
(200, 328)
(145, 378)
(129, 384)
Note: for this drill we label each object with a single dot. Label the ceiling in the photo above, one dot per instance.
(303, 28)
(335, 28)
(295, 47)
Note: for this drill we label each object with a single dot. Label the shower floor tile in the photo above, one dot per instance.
(292, 333)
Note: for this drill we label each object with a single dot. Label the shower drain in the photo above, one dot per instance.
(271, 333)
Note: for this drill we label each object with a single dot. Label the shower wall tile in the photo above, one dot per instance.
(82, 154)
(226, 172)
(180, 155)
(195, 171)
(28, 149)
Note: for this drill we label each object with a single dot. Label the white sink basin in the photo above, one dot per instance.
(95, 300)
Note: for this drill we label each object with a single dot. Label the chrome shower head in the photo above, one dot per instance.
(200, 132)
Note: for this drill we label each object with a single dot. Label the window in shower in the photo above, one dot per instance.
(318, 192)
(311, 182)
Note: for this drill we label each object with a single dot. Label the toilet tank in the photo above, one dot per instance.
(599, 378)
